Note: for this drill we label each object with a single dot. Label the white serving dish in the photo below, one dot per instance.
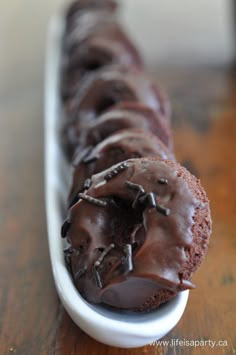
(120, 329)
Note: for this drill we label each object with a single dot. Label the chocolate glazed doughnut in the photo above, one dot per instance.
(127, 116)
(122, 116)
(86, 53)
(109, 87)
(137, 234)
(118, 147)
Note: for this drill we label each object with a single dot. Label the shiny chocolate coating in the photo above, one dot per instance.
(116, 148)
(110, 87)
(133, 115)
(138, 235)
(122, 116)
(90, 51)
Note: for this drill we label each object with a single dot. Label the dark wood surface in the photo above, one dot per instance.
(32, 319)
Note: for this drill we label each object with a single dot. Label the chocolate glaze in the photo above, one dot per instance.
(89, 51)
(110, 87)
(158, 243)
(116, 148)
(123, 116)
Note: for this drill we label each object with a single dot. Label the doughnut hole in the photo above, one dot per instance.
(104, 104)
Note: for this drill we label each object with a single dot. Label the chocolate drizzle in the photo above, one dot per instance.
(92, 200)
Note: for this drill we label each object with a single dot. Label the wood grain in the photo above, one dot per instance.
(32, 319)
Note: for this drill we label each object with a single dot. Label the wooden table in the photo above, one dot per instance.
(32, 319)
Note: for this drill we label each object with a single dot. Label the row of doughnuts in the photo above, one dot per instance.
(138, 223)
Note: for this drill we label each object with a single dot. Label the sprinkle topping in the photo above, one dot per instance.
(97, 277)
(103, 254)
(92, 200)
(149, 199)
(115, 171)
(128, 258)
(165, 211)
(162, 181)
(80, 273)
(87, 184)
(135, 187)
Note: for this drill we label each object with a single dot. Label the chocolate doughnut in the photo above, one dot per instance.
(137, 234)
(109, 87)
(87, 53)
(116, 148)
(122, 116)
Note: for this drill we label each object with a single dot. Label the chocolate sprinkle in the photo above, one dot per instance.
(97, 277)
(115, 171)
(163, 210)
(136, 200)
(162, 181)
(87, 184)
(80, 273)
(148, 199)
(135, 187)
(92, 200)
(103, 254)
(128, 257)
(65, 227)
(151, 199)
